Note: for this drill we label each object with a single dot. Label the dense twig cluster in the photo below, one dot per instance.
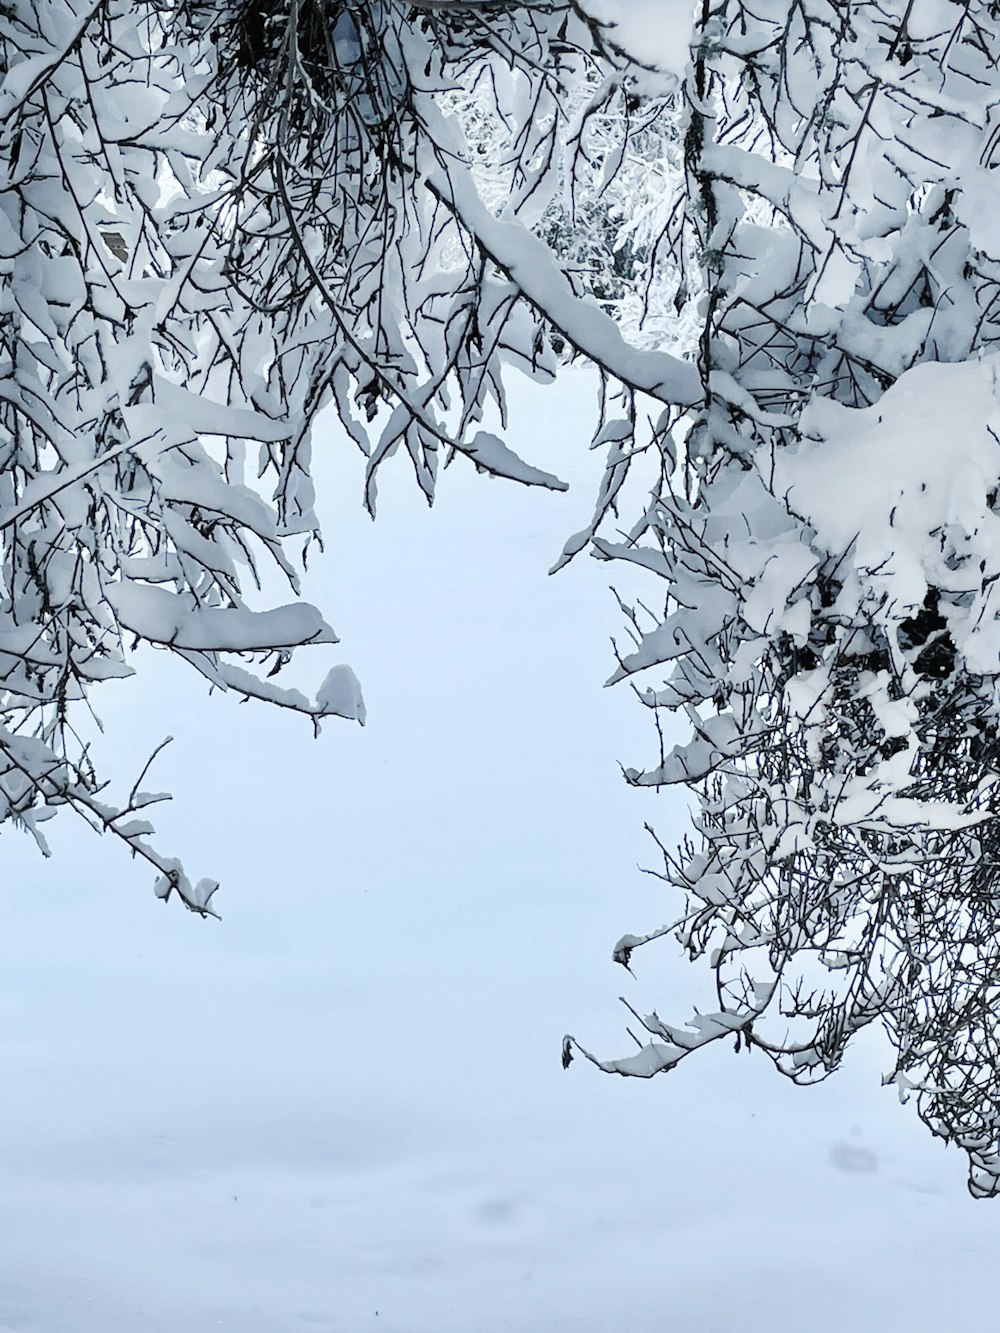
(830, 615)
(214, 221)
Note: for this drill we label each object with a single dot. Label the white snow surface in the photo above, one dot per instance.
(657, 33)
(341, 1108)
(919, 463)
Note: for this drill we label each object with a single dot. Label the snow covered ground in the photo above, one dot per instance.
(341, 1109)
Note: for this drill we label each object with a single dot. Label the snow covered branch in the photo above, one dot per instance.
(215, 221)
(829, 549)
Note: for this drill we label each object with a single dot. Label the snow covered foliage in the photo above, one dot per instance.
(215, 220)
(218, 219)
(831, 544)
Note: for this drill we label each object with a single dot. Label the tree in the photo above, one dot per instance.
(218, 219)
(829, 541)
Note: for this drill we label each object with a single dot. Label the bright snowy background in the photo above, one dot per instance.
(341, 1108)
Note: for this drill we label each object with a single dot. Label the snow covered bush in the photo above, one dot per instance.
(830, 541)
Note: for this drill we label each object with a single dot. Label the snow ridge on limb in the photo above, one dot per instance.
(828, 647)
(588, 329)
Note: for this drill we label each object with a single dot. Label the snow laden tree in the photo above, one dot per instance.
(218, 219)
(830, 543)
(215, 220)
